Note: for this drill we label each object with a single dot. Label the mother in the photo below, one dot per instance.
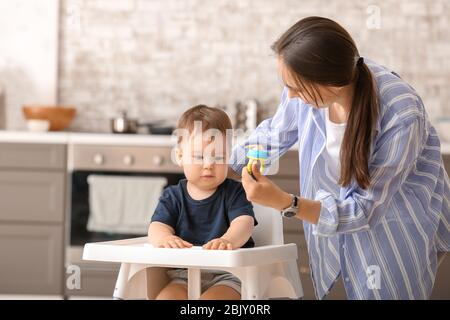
(375, 197)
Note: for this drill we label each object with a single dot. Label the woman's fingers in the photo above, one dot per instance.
(245, 175)
(247, 180)
(255, 171)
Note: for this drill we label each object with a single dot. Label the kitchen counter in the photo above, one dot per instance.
(106, 139)
(86, 138)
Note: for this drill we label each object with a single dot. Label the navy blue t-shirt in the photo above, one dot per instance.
(199, 221)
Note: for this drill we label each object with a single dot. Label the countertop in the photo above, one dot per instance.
(86, 138)
(106, 139)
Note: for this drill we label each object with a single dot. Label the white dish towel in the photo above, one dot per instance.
(123, 204)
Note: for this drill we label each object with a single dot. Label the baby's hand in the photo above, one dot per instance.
(218, 244)
(172, 241)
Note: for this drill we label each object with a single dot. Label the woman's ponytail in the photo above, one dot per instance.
(355, 149)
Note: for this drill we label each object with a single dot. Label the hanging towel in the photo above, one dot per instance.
(123, 204)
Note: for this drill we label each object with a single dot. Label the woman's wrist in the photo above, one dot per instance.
(285, 201)
(309, 210)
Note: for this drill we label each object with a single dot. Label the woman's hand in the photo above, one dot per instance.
(218, 244)
(264, 191)
(172, 241)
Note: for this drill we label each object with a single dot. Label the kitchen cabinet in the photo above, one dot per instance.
(49, 157)
(31, 260)
(32, 202)
(33, 196)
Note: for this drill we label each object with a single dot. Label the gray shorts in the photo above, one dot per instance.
(209, 278)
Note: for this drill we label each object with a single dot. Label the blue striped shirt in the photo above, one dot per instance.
(383, 240)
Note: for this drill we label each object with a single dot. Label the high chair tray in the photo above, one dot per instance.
(138, 250)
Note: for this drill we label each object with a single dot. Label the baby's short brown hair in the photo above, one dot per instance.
(211, 118)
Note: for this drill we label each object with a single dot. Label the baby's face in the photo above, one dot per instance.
(205, 162)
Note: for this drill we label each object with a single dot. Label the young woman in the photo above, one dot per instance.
(374, 192)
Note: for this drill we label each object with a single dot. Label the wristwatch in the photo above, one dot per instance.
(292, 210)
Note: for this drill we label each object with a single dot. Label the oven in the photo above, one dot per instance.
(98, 279)
(79, 234)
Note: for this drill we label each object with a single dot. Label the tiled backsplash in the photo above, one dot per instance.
(156, 58)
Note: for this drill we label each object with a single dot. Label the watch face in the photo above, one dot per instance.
(289, 214)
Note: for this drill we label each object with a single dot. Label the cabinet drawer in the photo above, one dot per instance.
(32, 156)
(156, 159)
(31, 196)
(31, 259)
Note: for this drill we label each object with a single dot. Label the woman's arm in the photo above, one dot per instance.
(265, 192)
(276, 134)
(392, 161)
(163, 235)
(237, 235)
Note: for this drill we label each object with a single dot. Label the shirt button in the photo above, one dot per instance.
(347, 279)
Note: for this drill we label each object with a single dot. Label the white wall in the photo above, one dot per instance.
(156, 58)
(28, 55)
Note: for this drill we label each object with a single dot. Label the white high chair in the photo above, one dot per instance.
(269, 270)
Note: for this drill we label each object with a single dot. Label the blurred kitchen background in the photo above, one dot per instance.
(154, 59)
(159, 57)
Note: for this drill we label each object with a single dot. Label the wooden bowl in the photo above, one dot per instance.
(59, 117)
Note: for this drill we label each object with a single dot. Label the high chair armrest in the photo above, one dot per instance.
(137, 250)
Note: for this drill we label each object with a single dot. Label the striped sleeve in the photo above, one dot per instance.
(276, 134)
(391, 163)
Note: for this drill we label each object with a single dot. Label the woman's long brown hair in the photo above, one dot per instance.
(318, 51)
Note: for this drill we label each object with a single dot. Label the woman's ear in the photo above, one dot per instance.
(178, 157)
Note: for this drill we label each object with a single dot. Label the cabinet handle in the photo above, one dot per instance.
(99, 159)
(128, 160)
(157, 160)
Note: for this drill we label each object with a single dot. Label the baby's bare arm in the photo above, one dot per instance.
(240, 230)
(162, 235)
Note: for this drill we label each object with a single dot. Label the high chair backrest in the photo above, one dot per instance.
(270, 226)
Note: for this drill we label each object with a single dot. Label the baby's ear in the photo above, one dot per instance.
(178, 156)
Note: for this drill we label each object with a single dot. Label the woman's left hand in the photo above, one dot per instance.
(263, 190)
